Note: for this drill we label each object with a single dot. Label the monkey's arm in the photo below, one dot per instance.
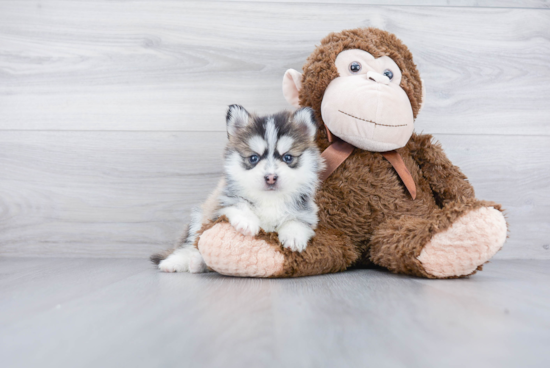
(446, 180)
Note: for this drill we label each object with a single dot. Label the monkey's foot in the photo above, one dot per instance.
(469, 243)
(227, 251)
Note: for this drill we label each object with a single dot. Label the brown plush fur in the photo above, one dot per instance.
(329, 251)
(364, 197)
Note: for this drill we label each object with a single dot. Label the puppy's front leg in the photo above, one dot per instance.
(242, 219)
(295, 235)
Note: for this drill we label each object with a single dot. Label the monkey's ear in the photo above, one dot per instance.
(292, 84)
(305, 120)
(237, 118)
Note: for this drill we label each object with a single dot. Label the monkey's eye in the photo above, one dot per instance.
(388, 73)
(288, 158)
(355, 67)
(254, 159)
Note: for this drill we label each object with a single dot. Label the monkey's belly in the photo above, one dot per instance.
(366, 191)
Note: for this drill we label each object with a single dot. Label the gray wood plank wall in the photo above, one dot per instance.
(112, 113)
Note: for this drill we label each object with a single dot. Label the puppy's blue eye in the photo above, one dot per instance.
(254, 159)
(388, 73)
(288, 158)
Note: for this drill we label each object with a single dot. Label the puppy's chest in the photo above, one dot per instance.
(272, 213)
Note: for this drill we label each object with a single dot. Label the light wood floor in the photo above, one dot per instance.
(123, 313)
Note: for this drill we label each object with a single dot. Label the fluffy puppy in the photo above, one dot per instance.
(271, 169)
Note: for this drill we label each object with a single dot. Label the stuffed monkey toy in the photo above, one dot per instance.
(389, 197)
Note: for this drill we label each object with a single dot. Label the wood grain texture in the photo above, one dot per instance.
(112, 313)
(536, 4)
(127, 194)
(174, 65)
(103, 193)
(539, 4)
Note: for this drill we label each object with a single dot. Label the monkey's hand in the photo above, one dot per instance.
(447, 182)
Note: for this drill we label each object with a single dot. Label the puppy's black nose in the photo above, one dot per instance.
(270, 179)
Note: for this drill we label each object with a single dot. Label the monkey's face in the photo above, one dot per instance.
(365, 105)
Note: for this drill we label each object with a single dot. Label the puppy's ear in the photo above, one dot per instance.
(305, 121)
(237, 118)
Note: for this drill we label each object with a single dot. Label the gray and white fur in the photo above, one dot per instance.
(271, 169)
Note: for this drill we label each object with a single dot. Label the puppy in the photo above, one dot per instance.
(271, 169)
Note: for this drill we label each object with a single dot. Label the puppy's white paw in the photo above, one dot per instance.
(183, 260)
(295, 235)
(245, 224)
